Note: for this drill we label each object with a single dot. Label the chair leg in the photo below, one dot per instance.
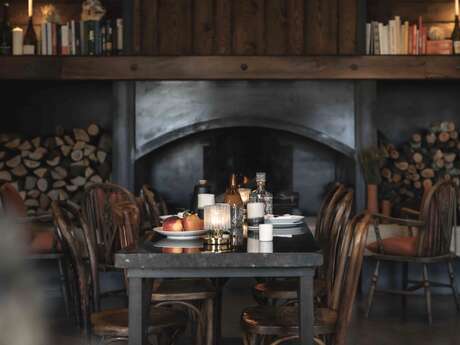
(209, 314)
(370, 297)
(426, 285)
(64, 287)
(405, 274)
(453, 284)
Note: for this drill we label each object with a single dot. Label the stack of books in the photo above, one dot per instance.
(402, 38)
(82, 38)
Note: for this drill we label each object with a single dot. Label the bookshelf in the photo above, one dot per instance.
(231, 68)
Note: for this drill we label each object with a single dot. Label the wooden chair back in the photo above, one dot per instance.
(75, 236)
(97, 212)
(349, 266)
(127, 220)
(154, 206)
(326, 211)
(439, 215)
(332, 248)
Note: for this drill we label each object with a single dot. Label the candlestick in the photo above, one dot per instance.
(457, 8)
(30, 11)
(17, 41)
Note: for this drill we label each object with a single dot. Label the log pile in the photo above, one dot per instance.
(429, 156)
(56, 167)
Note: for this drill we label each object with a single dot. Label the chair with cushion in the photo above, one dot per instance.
(196, 295)
(276, 325)
(429, 244)
(111, 325)
(39, 234)
(154, 206)
(332, 219)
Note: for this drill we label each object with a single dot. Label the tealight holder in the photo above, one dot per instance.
(218, 221)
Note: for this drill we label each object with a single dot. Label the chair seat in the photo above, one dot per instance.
(396, 246)
(114, 322)
(183, 290)
(414, 259)
(266, 320)
(287, 288)
(42, 238)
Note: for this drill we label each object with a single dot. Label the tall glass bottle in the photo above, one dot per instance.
(456, 37)
(6, 35)
(232, 195)
(260, 194)
(30, 39)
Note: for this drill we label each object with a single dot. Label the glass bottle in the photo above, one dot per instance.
(260, 194)
(6, 35)
(456, 37)
(30, 39)
(232, 195)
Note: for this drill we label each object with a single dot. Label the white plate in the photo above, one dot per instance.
(284, 220)
(181, 235)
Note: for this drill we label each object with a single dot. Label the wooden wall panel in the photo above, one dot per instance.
(248, 26)
(174, 27)
(223, 27)
(203, 27)
(347, 29)
(296, 14)
(321, 27)
(276, 27)
(149, 31)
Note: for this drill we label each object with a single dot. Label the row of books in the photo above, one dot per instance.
(82, 38)
(398, 38)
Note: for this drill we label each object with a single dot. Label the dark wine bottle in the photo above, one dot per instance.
(6, 35)
(30, 39)
(456, 37)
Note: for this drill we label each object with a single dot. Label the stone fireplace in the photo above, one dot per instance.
(302, 133)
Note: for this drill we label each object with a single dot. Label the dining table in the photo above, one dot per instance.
(295, 255)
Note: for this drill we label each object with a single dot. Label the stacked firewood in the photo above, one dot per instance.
(429, 156)
(56, 167)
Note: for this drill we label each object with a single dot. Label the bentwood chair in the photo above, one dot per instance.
(112, 324)
(332, 218)
(196, 295)
(429, 245)
(154, 206)
(97, 212)
(265, 324)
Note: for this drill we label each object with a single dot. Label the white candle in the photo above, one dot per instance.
(30, 11)
(17, 41)
(265, 232)
(456, 8)
(265, 247)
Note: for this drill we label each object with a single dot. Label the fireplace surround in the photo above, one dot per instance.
(311, 128)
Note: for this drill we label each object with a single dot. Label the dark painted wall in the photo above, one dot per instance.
(405, 107)
(37, 107)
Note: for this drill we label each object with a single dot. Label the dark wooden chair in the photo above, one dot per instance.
(262, 324)
(196, 295)
(332, 218)
(429, 245)
(111, 325)
(154, 206)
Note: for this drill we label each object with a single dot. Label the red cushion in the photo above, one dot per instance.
(12, 202)
(43, 239)
(399, 246)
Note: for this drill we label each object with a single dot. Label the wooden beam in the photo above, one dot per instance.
(230, 67)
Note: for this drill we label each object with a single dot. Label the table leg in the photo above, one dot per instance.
(138, 311)
(306, 317)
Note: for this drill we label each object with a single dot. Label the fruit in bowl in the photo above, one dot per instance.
(173, 224)
(191, 222)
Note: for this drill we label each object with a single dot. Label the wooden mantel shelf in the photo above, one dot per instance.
(229, 67)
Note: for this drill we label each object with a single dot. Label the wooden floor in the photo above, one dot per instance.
(385, 327)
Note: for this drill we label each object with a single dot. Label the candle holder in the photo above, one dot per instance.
(218, 221)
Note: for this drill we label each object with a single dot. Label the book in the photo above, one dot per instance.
(375, 31)
(83, 44)
(439, 47)
(49, 40)
(119, 28)
(397, 35)
(368, 38)
(65, 49)
(43, 42)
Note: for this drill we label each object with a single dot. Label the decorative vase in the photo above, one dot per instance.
(372, 200)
